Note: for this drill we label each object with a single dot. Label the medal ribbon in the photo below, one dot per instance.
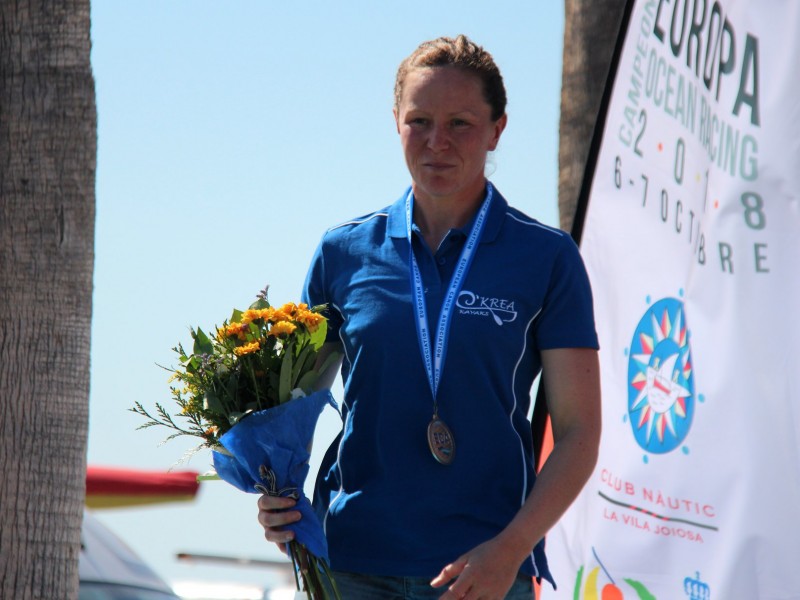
(434, 361)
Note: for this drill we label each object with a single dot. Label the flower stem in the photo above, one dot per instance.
(311, 571)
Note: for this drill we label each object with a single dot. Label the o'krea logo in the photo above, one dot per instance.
(499, 309)
(661, 398)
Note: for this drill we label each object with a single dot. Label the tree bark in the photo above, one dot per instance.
(48, 149)
(590, 34)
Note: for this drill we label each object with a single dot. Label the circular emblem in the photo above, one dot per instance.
(441, 442)
(661, 395)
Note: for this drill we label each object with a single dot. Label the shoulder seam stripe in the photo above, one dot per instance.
(359, 221)
(533, 224)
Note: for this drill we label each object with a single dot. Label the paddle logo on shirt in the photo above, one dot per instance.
(498, 309)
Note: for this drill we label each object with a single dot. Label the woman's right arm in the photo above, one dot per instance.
(327, 377)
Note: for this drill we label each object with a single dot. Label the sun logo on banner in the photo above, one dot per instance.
(661, 378)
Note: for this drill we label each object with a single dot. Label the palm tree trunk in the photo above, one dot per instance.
(47, 203)
(590, 34)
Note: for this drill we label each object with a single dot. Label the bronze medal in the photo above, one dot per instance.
(440, 441)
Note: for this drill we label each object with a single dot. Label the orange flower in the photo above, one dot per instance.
(249, 316)
(237, 329)
(282, 327)
(254, 314)
(247, 349)
(309, 319)
(289, 308)
(279, 314)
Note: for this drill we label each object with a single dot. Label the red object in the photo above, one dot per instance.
(112, 487)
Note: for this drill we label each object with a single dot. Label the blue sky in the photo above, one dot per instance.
(230, 136)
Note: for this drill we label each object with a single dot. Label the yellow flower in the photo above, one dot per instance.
(278, 314)
(238, 330)
(282, 327)
(193, 406)
(289, 308)
(247, 349)
(254, 314)
(309, 319)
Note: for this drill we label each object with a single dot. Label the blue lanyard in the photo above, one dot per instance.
(434, 361)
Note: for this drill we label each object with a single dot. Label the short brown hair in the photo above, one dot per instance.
(462, 53)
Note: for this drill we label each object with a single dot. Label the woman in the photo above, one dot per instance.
(428, 491)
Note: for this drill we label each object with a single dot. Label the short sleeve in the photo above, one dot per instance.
(567, 317)
(316, 292)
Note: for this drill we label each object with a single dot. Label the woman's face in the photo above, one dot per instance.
(446, 130)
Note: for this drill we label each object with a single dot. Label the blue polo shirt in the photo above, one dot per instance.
(388, 507)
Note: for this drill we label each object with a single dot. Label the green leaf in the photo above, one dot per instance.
(236, 316)
(641, 590)
(578, 577)
(259, 304)
(302, 363)
(231, 386)
(318, 337)
(212, 403)
(202, 345)
(308, 381)
(285, 382)
(274, 380)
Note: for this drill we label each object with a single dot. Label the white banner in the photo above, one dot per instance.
(692, 242)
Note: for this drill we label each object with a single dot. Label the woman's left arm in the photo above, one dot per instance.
(571, 377)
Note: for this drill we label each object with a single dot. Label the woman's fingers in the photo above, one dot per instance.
(273, 514)
(267, 502)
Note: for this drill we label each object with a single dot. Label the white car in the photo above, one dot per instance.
(110, 570)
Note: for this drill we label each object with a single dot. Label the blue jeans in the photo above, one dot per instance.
(354, 586)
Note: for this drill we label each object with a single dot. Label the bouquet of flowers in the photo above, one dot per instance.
(248, 393)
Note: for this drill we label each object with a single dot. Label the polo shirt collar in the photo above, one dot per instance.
(396, 221)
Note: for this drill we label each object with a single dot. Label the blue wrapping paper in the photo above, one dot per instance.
(278, 439)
